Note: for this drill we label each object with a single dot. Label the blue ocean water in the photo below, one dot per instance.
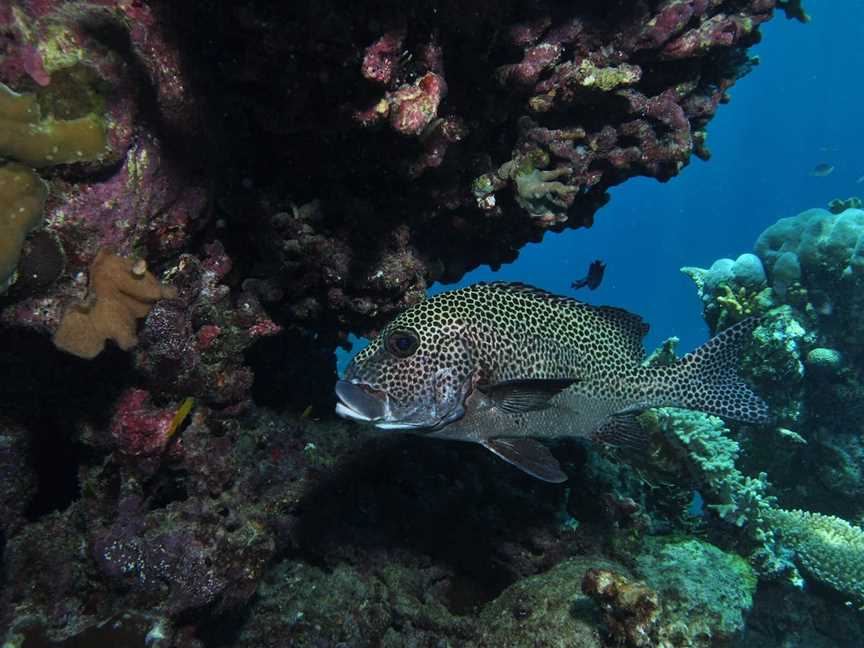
(801, 106)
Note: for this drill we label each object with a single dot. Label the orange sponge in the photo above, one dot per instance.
(121, 292)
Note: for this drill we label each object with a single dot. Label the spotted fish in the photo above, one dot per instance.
(503, 364)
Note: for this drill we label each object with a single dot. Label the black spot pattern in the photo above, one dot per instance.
(495, 332)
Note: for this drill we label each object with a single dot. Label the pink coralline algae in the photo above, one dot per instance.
(138, 427)
(381, 58)
(193, 345)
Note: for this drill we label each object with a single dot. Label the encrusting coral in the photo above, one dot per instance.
(22, 198)
(121, 292)
(29, 138)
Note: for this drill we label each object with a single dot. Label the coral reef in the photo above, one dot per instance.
(806, 354)
(297, 172)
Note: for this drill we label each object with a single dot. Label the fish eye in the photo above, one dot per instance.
(402, 343)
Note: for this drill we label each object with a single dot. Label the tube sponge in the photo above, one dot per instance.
(121, 292)
(27, 137)
(22, 198)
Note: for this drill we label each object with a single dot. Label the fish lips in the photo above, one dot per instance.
(362, 403)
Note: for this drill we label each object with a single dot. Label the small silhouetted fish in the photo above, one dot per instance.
(593, 278)
(822, 170)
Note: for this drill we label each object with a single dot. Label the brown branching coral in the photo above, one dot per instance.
(121, 292)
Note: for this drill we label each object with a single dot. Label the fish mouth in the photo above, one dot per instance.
(363, 403)
(360, 402)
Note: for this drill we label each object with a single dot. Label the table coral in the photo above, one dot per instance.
(121, 292)
(22, 199)
(829, 548)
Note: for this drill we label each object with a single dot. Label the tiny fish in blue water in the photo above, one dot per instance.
(593, 278)
(501, 364)
(859, 180)
(822, 170)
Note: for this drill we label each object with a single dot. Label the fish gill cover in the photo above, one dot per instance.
(294, 172)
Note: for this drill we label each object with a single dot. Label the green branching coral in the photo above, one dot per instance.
(22, 198)
(829, 548)
(710, 455)
(27, 137)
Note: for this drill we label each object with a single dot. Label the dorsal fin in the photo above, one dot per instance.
(626, 328)
(532, 291)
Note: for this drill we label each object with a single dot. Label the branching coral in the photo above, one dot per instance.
(738, 304)
(121, 292)
(830, 549)
(710, 454)
(22, 198)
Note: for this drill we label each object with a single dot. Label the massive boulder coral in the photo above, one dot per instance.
(806, 358)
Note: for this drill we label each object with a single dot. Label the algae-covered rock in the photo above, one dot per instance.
(22, 198)
(710, 590)
(547, 610)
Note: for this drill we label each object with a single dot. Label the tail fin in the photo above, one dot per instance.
(709, 380)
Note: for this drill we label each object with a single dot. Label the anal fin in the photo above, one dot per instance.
(530, 456)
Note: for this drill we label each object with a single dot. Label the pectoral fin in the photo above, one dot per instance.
(529, 395)
(528, 455)
(624, 431)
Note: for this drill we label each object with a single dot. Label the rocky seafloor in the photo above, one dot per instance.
(200, 201)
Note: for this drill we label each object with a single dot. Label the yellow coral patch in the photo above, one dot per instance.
(27, 137)
(22, 198)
